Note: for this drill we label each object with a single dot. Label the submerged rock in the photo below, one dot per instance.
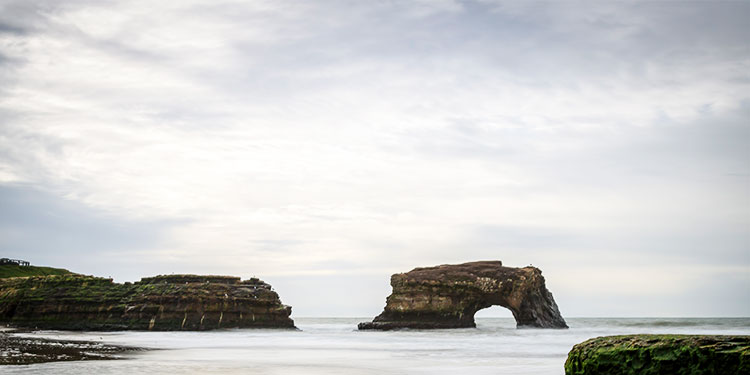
(447, 296)
(163, 303)
(17, 350)
(660, 354)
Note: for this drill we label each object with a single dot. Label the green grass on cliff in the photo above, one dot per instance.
(12, 270)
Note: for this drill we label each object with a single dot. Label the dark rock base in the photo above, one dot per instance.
(390, 326)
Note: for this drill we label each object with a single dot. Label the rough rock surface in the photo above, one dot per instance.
(18, 350)
(660, 354)
(164, 303)
(447, 296)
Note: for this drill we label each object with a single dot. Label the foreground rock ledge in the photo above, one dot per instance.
(660, 354)
(163, 303)
(15, 350)
(447, 296)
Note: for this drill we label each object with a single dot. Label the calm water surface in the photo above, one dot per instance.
(334, 346)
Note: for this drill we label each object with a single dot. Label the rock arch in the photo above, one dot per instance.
(447, 296)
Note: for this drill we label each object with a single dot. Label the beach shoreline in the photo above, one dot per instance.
(24, 350)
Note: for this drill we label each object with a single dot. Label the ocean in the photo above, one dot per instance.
(334, 346)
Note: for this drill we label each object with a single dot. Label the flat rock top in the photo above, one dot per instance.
(464, 271)
(714, 342)
(184, 278)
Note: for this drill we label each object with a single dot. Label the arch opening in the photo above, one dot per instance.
(494, 311)
(495, 317)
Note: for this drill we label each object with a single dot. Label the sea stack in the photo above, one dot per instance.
(160, 303)
(447, 296)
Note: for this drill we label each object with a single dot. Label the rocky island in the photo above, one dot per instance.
(447, 296)
(164, 303)
(660, 354)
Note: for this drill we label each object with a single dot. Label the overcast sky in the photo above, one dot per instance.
(325, 145)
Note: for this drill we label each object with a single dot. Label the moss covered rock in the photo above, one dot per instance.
(660, 354)
(447, 296)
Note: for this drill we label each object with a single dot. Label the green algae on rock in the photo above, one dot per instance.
(661, 354)
(163, 303)
(447, 296)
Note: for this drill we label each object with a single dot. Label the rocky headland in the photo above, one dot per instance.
(660, 354)
(163, 303)
(447, 296)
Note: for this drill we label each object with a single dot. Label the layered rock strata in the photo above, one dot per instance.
(163, 303)
(447, 296)
(660, 354)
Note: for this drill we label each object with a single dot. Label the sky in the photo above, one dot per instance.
(323, 146)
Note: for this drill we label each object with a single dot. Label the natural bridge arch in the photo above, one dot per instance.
(447, 296)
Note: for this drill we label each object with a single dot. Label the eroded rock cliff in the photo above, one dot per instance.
(660, 354)
(173, 302)
(447, 296)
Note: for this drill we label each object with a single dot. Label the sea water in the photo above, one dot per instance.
(334, 346)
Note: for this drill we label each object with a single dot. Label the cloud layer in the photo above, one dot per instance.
(310, 143)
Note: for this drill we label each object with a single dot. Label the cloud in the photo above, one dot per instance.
(296, 139)
(46, 230)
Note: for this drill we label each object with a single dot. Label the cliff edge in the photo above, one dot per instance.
(163, 303)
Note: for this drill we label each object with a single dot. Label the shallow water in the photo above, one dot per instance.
(334, 346)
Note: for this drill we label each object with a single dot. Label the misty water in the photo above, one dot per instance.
(334, 346)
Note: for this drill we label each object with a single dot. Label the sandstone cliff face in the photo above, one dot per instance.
(660, 354)
(447, 296)
(174, 302)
